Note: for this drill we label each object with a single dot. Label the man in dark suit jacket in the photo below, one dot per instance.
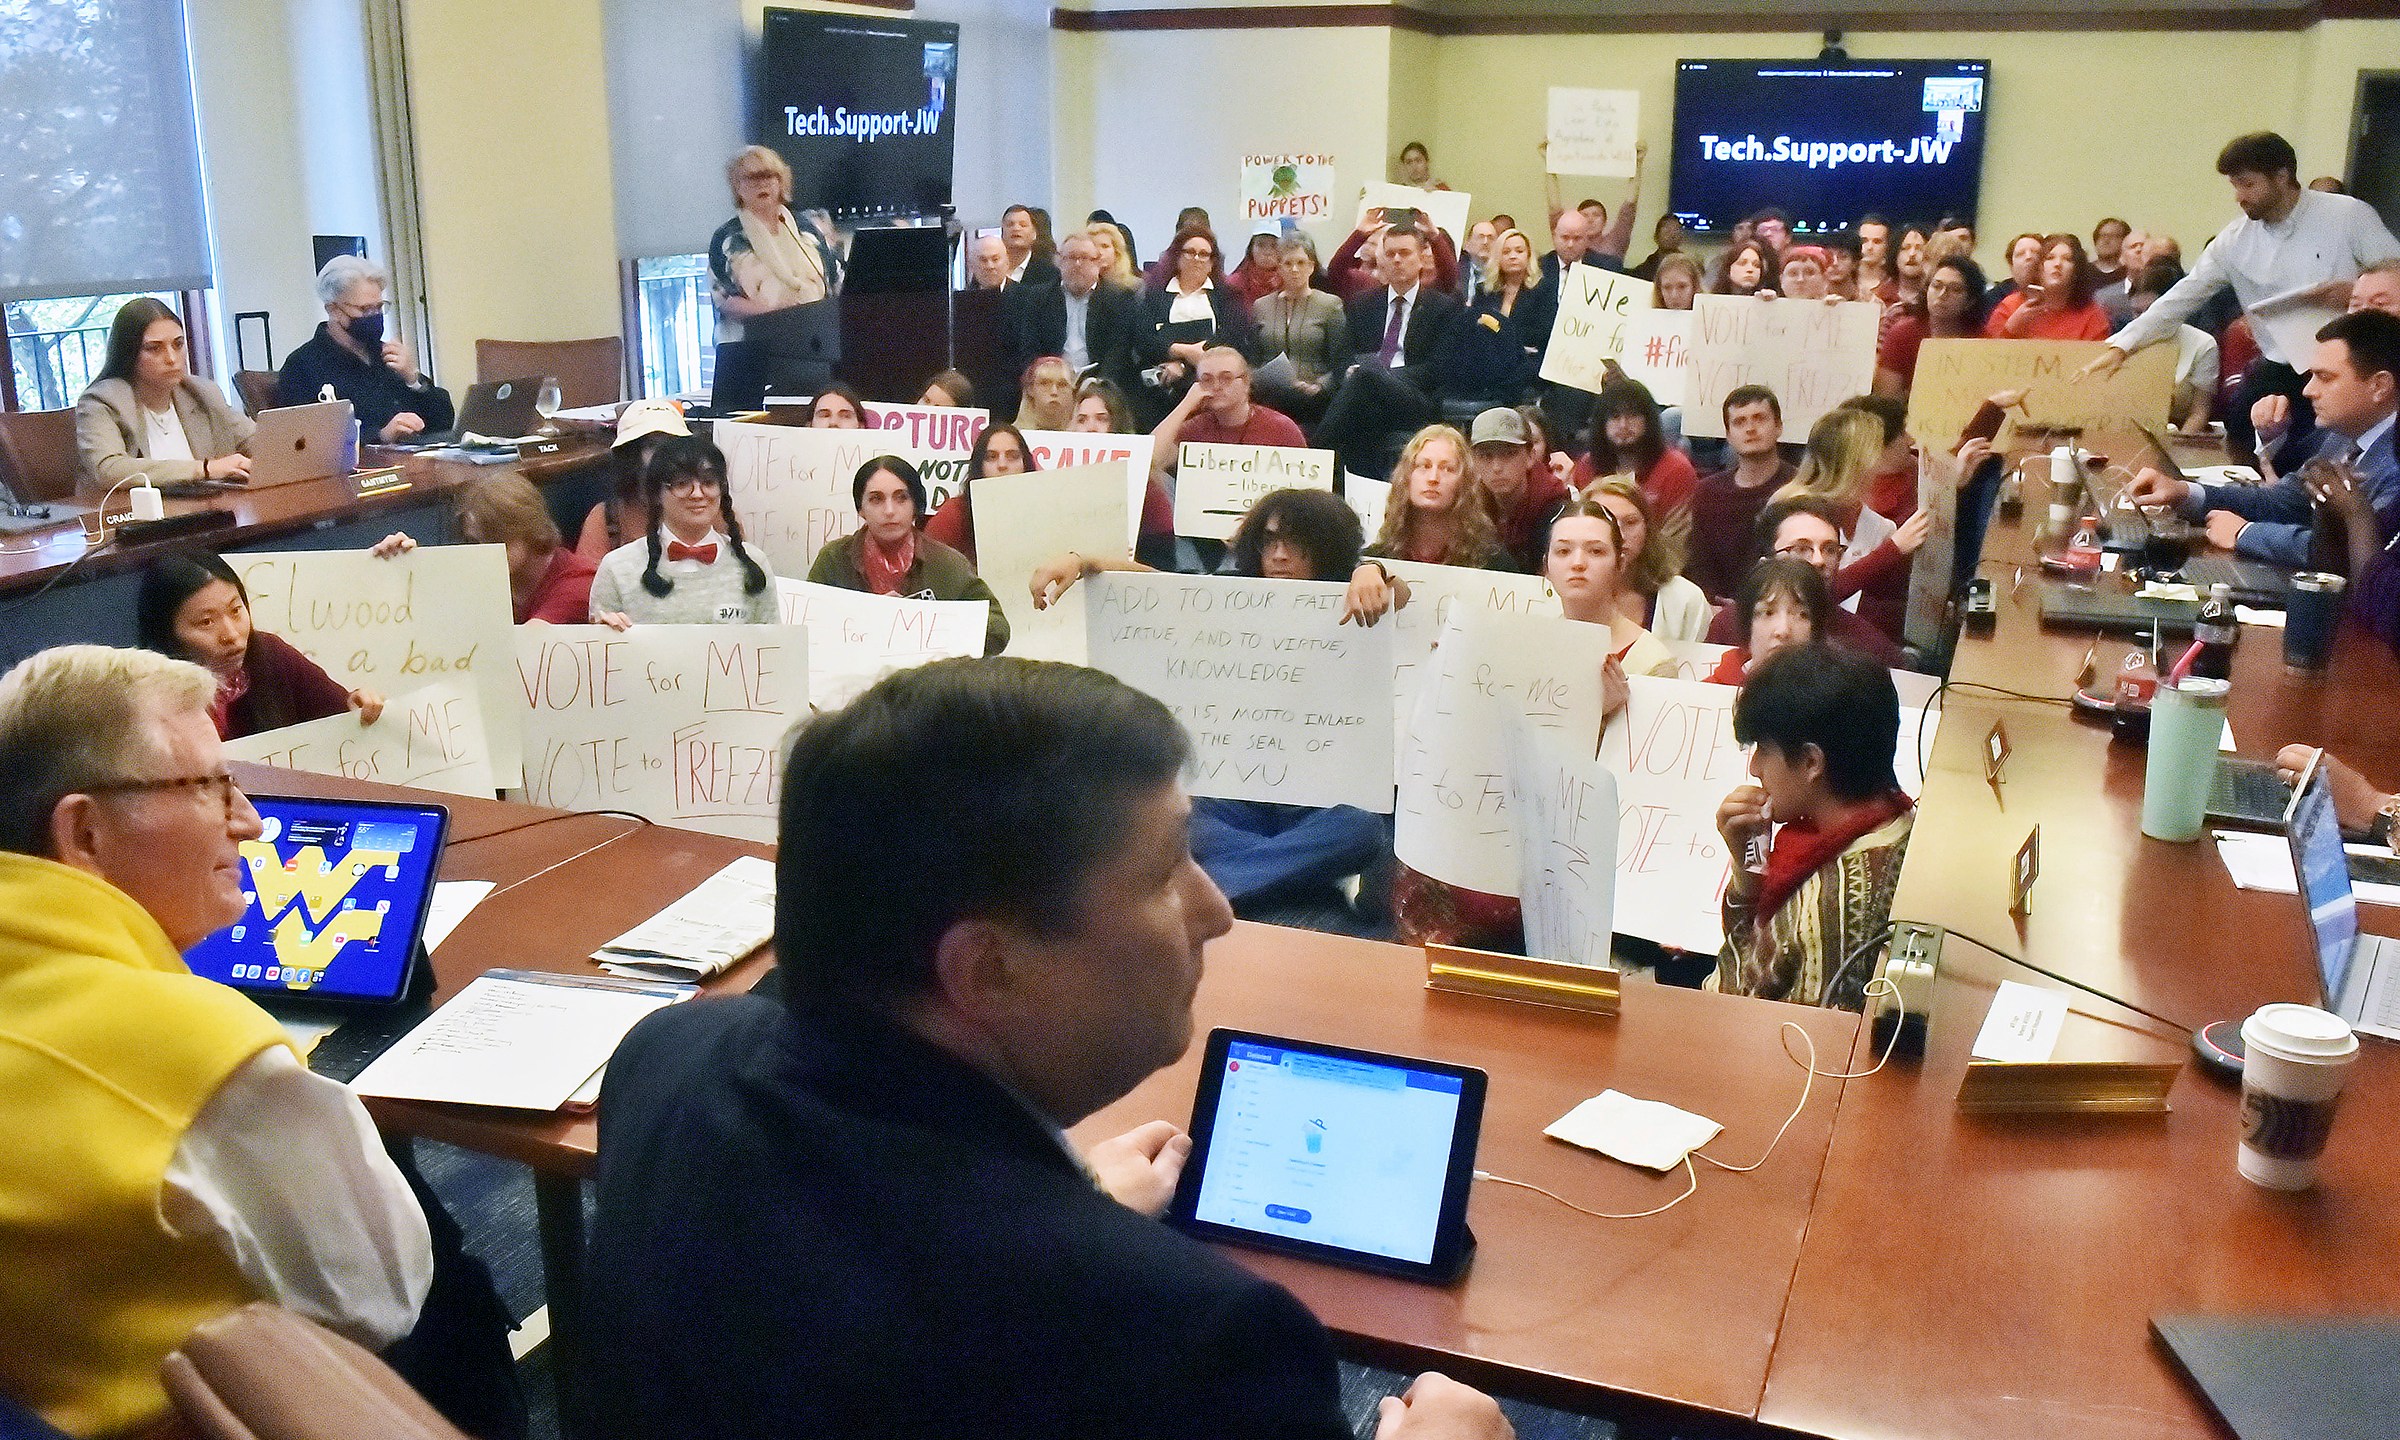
(852, 1209)
(1401, 334)
(1037, 323)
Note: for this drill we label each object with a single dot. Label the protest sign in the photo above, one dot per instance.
(1446, 208)
(1023, 520)
(1563, 809)
(1065, 449)
(431, 737)
(1694, 658)
(1283, 701)
(790, 487)
(438, 612)
(1435, 593)
(1812, 354)
(1954, 377)
(1215, 485)
(681, 723)
(1284, 190)
(1592, 132)
(1595, 308)
(1452, 819)
(1658, 353)
(856, 638)
(1366, 499)
(937, 429)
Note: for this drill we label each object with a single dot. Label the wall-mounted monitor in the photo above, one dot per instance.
(865, 109)
(1827, 141)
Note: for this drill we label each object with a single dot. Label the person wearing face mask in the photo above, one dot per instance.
(1785, 603)
(353, 355)
(886, 554)
(148, 414)
(1823, 724)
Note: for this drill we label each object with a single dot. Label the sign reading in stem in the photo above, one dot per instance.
(1564, 809)
(681, 723)
(1215, 485)
(1812, 354)
(855, 638)
(439, 612)
(1954, 378)
(1283, 701)
(431, 738)
(1596, 308)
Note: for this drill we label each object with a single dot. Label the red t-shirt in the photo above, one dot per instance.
(1521, 521)
(1263, 427)
(564, 594)
(1897, 350)
(2085, 322)
(1669, 483)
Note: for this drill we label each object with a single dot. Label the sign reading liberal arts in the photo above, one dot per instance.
(1215, 485)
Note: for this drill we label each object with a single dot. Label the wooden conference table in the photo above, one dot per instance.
(1895, 1269)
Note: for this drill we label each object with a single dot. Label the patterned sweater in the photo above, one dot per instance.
(1842, 906)
(703, 595)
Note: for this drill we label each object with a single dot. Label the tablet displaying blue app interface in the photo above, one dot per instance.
(334, 898)
(1336, 1151)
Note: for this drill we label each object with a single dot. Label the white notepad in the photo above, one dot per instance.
(516, 1040)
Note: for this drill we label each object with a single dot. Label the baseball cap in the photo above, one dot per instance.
(650, 417)
(1500, 426)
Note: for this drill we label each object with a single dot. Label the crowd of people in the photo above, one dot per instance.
(924, 1030)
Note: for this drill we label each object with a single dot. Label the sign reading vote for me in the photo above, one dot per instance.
(1812, 354)
(790, 487)
(855, 638)
(1283, 701)
(431, 738)
(440, 612)
(1215, 485)
(680, 723)
(1595, 309)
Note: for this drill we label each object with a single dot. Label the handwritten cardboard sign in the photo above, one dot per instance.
(1283, 701)
(1592, 132)
(1452, 818)
(1563, 806)
(1288, 189)
(1367, 499)
(1215, 485)
(682, 723)
(1658, 352)
(790, 487)
(856, 638)
(1446, 208)
(1813, 355)
(1067, 449)
(1023, 520)
(1595, 310)
(432, 738)
(1954, 377)
(1436, 592)
(440, 612)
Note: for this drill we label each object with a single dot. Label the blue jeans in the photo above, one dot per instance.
(1252, 847)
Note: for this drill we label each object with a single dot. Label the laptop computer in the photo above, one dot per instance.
(332, 928)
(2271, 1377)
(2252, 582)
(2070, 605)
(299, 442)
(1346, 1156)
(2361, 973)
(502, 409)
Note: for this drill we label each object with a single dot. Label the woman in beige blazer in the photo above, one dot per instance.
(148, 414)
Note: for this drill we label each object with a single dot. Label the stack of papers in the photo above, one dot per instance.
(723, 918)
(517, 1040)
(2264, 863)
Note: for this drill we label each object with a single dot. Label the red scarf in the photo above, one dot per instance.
(231, 687)
(1801, 849)
(1731, 667)
(886, 570)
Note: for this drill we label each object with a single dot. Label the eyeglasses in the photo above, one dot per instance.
(225, 787)
(1803, 550)
(1199, 254)
(689, 485)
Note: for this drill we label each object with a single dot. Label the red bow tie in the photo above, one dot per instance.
(705, 554)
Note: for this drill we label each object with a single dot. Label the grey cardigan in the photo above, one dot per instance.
(1316, 334)
(111, 443)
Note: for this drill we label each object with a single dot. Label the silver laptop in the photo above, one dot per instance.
(2253, 582)
(2361, 973)
(300, 442)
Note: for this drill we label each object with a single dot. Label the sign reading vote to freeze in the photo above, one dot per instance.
(437, 613)
(1594, 308)
(1298, 188)
(1283, 701)
(431, 738)
(681, 723)
(1592, 132)
(1215, 485)
(1812, 354)
(1955, 376)
(855, 638)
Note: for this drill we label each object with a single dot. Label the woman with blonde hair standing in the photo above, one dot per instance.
(1116, 263)
(772, 277)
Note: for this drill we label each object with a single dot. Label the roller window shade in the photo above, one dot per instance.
(677, 96)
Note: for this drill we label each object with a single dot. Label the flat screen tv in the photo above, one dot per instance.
(1827, 141)
(865, 110)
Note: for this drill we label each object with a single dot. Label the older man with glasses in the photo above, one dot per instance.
(165, 1157)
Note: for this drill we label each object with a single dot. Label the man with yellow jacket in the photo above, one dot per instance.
(164, 1155)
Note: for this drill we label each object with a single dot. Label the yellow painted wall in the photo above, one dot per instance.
(511, 111)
